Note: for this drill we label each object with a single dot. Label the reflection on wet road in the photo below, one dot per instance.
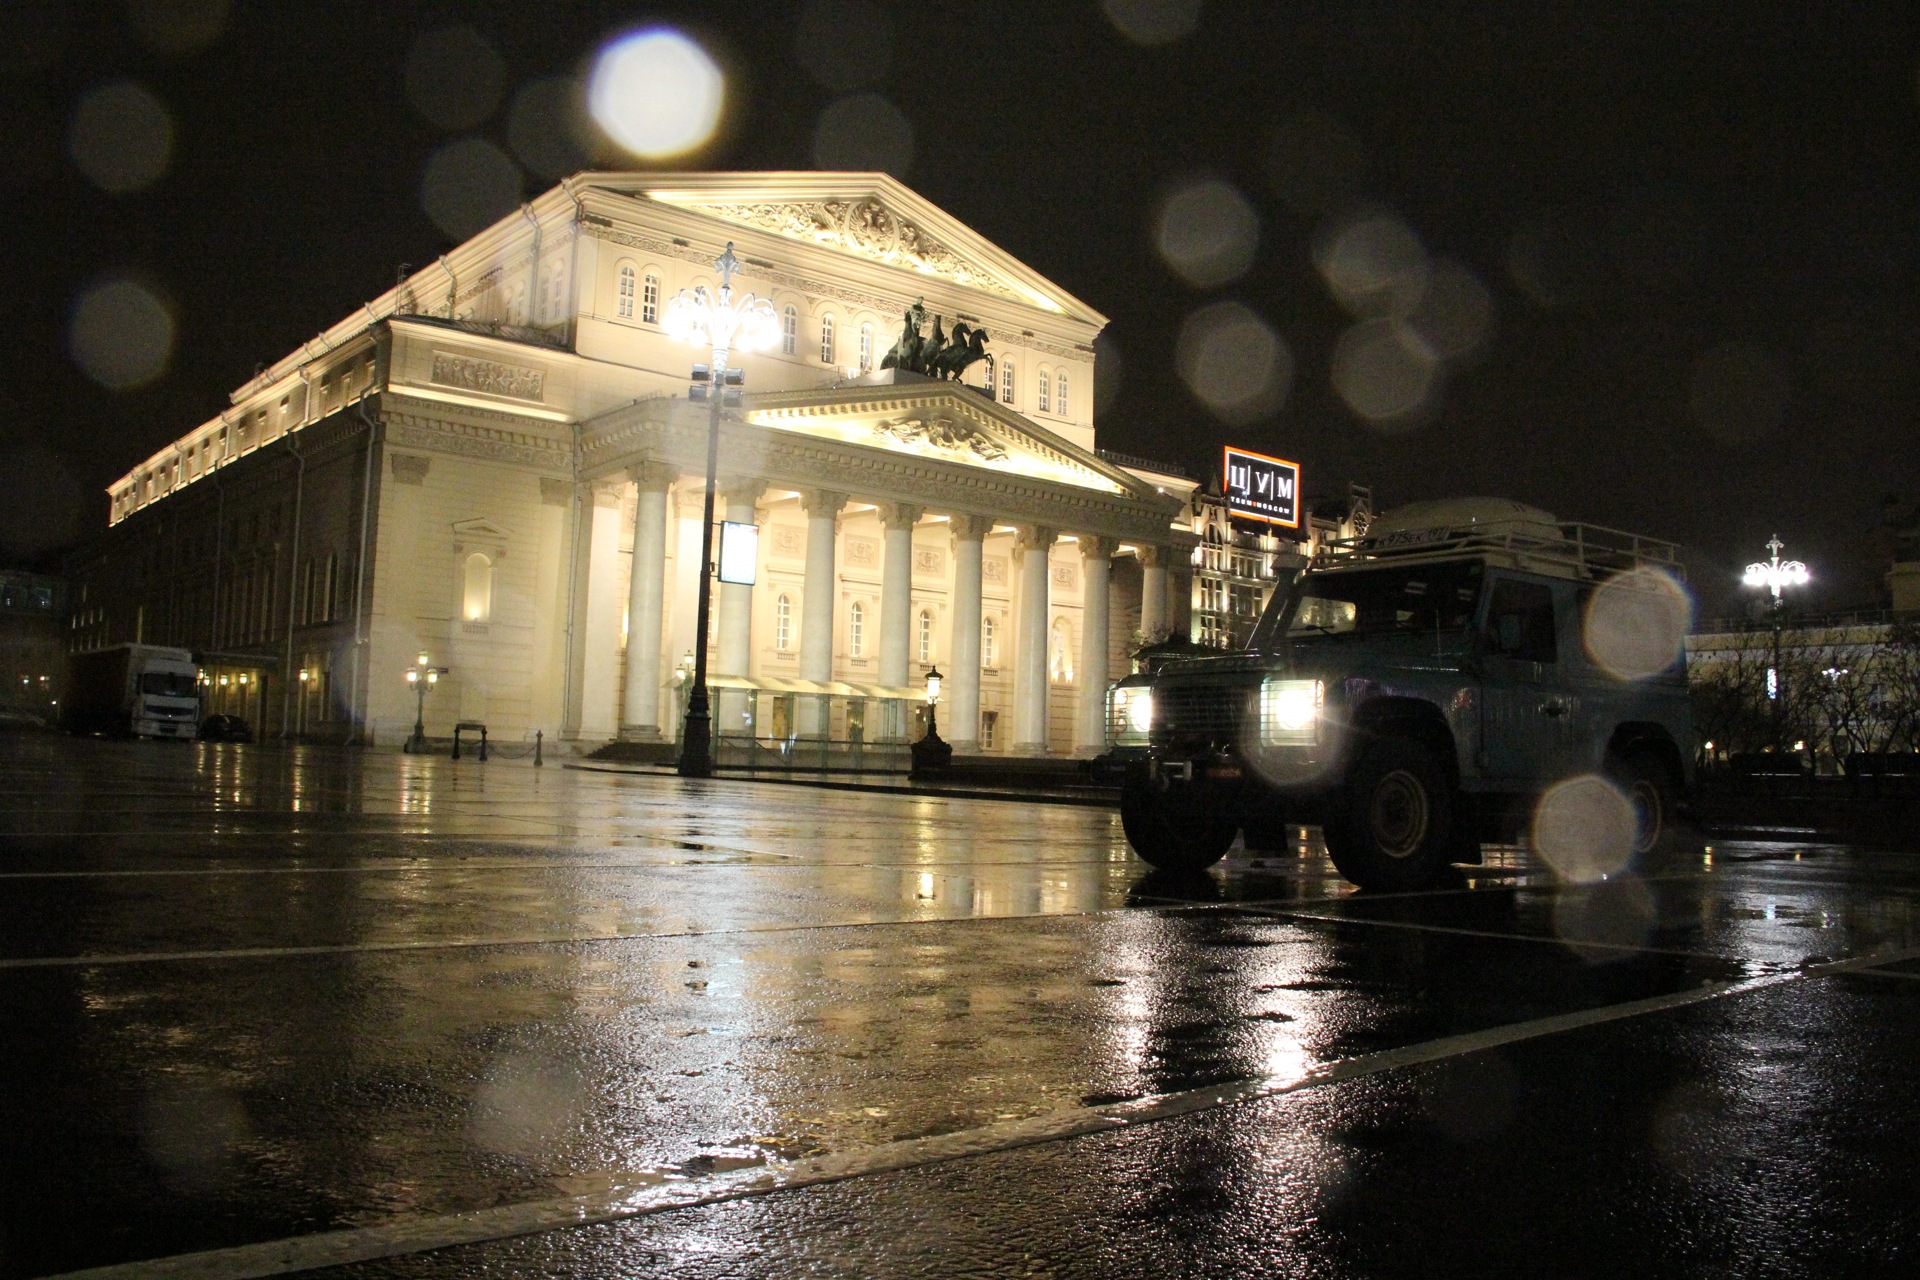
(403, 1011)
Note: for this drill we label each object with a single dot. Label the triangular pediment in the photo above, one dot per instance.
(942, 422)
(482, 528)
(865, 215)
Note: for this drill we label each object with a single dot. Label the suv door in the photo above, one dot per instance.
(1525, 703)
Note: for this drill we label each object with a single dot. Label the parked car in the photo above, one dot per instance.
(220, 728)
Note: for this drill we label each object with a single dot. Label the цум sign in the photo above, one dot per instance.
(1261, 488)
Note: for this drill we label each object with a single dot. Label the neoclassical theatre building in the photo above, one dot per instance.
(498, 465)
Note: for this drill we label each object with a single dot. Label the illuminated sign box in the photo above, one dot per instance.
(739, 552)
(1261, 488)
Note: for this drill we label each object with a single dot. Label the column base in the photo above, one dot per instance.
(641, 733)
(1029, 749)
(966, 747)
(1089, 753)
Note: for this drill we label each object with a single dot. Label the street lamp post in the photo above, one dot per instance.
(723, 325)
(422, 677)
(1776, 575)
(931, 756)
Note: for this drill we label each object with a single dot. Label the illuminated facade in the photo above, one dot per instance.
(497, 464)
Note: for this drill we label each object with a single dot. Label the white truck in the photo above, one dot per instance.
(146, 690)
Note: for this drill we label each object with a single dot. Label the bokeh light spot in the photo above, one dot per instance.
(178, 27)
(469, 184)
(1454, 314)
(545, 127)
(121, 137)
(1234, 363)
(1736, 394)
(656, 92)
(1153, 21)
(454, 77)
(844, 44)
(1207, 232)
(1384, 372)
(1373, 263)
(1637, 623)
(1584, 829)
(121, 334)
(864, 132)
(1606, 922)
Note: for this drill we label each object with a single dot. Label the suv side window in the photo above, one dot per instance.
(1520, 621)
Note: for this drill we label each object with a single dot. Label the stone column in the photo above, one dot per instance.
(816, 606)
(640, 718)
(733, 616)
(689, 504)
(597, 636)
(1030, 651)
(1090, 731)
(961, 724)
(896, 609)
(1153, 592)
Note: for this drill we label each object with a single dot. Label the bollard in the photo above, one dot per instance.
(538, 734)
(456, 742)
(483, 744)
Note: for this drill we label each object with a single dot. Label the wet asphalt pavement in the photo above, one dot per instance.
(271, 1011)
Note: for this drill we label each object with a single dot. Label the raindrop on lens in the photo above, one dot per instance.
(1234, 363)
(1153, 21)
(1637, 623)
(1207, 232)
(544, 127)
(120, 334)
(1384, 372)
(121, 137)
(469, 184)
(1584, 829)
(454, 77)
(1373, 263)
(866, 133)
(1455, 312)
(1606, 922)
(656, 93)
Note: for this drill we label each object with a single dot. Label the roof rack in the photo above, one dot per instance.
(1566, 549)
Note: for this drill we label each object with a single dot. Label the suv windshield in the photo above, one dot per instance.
(162, 684)
(1419, 599)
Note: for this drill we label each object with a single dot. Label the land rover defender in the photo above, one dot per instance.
(1416, 691)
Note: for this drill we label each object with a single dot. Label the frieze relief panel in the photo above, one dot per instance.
(862, 553)
(1066, 577)
(789, 542)
(489, 377)
(993, 571)
(865, 227)
(930, 561)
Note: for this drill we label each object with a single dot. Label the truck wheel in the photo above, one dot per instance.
(1651, 788)
(1393, 826)
(1185, 834)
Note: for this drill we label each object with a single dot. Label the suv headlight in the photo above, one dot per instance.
(1290, 712)
(1129, 714)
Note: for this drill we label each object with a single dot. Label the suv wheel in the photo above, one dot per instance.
(1650, 786)
(1392, 827)
(1171, 831)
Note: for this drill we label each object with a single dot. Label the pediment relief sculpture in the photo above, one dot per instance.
(866, 227)
(943, 432)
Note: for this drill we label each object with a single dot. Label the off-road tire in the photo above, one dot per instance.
(1178, 832)
(1648, 780)
(1391, 826)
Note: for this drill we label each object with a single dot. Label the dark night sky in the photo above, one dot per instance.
(1638, 186)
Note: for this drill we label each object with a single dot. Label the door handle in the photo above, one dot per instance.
(1554, 709)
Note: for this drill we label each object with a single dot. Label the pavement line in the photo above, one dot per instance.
(1888, 973)
(665, 1191)
(1489, 933)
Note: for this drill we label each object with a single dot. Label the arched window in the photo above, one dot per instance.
(1060, 394)
(926, 637)
(783, 623)
(989, 642)
(1045, 406)
(1006, 384)
(857, 629)
(1060, 661)
(866, 348)
(477, 599)
(650, 300)
(789, 331)
(826, 339)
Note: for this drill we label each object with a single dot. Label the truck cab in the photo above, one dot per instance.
(1416, 691)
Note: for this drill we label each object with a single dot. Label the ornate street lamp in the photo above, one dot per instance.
(422, 677)
(931, 756)
(724, 326)
(1776, 575)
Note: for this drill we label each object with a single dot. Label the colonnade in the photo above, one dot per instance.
(641, 712)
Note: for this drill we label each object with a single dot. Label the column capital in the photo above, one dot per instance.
(822, 502)
(1095, 546)
(970, 528)
(605, 495)
(651, 475)
(740, 490)
(900, 515)
(1037, 537)
(1154, 557)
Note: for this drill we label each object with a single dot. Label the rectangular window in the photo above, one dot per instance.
(1006, 384)
(826, 340)
(989, 728)
(789, 331)
(1520, 621)
(650, 300)
(1045, 407)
